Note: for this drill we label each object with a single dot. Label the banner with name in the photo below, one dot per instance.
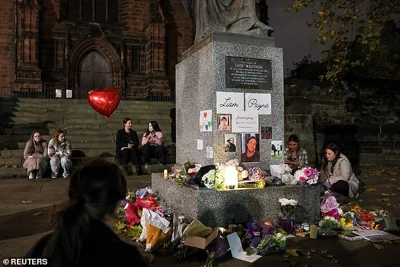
(259, 103)
(245, 122)
(229, 102)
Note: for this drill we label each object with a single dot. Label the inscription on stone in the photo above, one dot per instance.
(248, 73)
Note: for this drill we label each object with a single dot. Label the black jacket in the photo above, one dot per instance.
(121, 141)
(102, 248)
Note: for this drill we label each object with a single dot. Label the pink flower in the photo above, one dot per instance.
(333, 213)
(308, 172)
(329, 204)
(302, 179)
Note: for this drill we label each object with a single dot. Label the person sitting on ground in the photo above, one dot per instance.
(127, 147)
(59, 151)
(153, 143)
(337, 174)
(83, 234)
(35, 155)
(295, 156)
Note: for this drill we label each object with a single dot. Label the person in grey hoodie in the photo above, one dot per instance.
(337, 174)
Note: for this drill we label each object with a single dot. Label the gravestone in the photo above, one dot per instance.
(239, 78)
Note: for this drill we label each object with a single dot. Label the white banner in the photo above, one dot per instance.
(260, 103)
(229, 102)
(245, 122)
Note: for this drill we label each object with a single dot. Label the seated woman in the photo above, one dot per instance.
(82, 235)
(251, 154)
(59, 151)
(153, 143)
(295, 156)
(337, 174)
(35, 155)
(127, 146)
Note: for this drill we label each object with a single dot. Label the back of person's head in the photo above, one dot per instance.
(294, 138)
(95, 191)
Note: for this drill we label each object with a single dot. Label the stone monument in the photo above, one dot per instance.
(230, 105)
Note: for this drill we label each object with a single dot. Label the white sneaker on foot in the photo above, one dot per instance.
(31, 176)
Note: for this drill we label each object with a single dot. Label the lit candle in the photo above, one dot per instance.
(165, 174)
(231, 177)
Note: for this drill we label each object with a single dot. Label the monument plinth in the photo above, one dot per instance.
(220, 208)
(239, 78)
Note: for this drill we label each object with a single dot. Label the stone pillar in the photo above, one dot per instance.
(201, 74)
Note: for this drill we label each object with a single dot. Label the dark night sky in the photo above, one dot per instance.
(291, 32)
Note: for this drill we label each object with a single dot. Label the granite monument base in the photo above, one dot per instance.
(220, 208)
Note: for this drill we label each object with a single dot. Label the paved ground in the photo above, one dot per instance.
(36, 201)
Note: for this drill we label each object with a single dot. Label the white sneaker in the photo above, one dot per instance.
(65, 175)
(31, 176)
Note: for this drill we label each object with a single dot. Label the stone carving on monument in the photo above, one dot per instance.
(233, 16)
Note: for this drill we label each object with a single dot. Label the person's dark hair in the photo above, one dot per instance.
(335, 149)
(57, 134)
(95, 191)
(224, 118)
(155, 126)
(126, 120)
(32, 144)
(294, 138)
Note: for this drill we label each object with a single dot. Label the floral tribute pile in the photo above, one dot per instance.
(348, 216)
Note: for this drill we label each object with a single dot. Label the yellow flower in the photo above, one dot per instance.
(343, 223)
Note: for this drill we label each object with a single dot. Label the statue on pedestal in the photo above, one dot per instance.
(233, 16)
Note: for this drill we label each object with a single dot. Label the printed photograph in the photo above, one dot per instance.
(230, 143)
(277, 149)
(266, 132)
(224, 122)
(250, 147)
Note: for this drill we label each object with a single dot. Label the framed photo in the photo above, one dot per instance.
(277, 149)
(266, 132)
(224, 122)
(250, 147)
(230, 143)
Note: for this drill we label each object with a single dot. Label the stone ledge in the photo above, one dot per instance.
(220, 208)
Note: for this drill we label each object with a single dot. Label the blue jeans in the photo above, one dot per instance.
(64, 162)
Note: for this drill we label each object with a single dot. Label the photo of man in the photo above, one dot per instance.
(230, 143)
(250, 148)
(266, 132)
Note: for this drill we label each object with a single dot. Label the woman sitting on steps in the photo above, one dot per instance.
(153, 143)
(35, 155)
(59, 151)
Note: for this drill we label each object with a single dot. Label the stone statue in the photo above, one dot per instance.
(234, 16)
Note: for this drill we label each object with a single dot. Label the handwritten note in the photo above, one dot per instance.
(229, 102)
(260, 103)
(245, 122)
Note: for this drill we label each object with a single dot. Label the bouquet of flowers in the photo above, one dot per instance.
(329, 223)
(287, 207)
(256, 174)
(270, 244)
(307, 175)
(214, 179)
(330, 207)
(348, 219)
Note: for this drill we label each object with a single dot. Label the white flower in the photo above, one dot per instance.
(239, 168)
(285, 201)
(245, 174)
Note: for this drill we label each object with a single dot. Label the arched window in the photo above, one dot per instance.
(100, 11)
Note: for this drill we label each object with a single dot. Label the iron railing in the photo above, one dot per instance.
(55, 93)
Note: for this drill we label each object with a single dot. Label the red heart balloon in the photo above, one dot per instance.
(104, 101)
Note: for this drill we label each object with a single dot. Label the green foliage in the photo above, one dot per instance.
(354, 30)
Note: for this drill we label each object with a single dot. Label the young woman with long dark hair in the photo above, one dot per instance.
(153, 143)
(82, 236)
(337, 174)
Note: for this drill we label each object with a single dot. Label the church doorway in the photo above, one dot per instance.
(95, 73)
